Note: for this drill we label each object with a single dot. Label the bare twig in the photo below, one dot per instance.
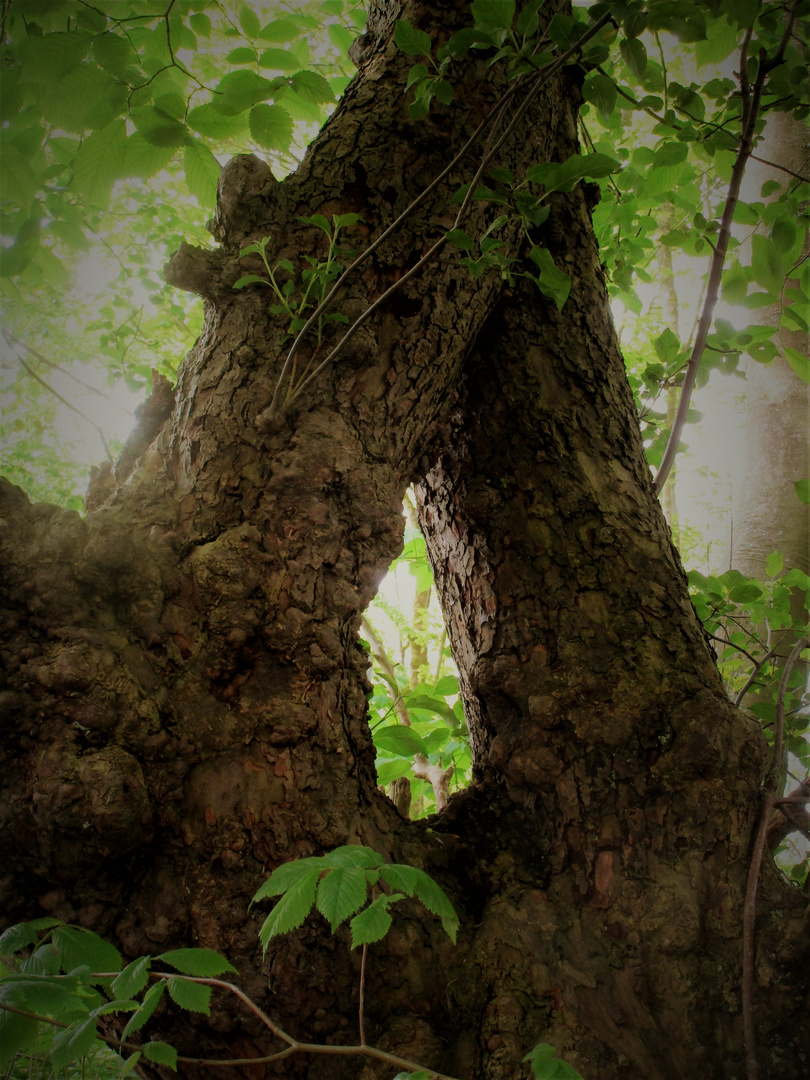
(362, 996)
(769, 788)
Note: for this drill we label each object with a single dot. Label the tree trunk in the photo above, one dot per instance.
(184, 699)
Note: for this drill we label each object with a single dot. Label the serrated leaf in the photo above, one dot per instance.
(410, 40)
(355, 855)
(249, 279)
(196, 997)
(374, 922)
(18, 183)
(20, 935)
(340, 893)
(73, 1042)
(239, 90)
(745, 594)
(202, 173)
(133, 1059)
(113, 52)
(76, 946)
(161, 1053)
(312, 87)
(204, 963)
(415, 882)
(280, 30)
(766, 263)
(133, 978)
(101, 161)
(158, 128)
(145, 159)
(292, 908)
(249, 20)
(799, 363)
(279, 60)
(209, 120)
(271, 126)
(148, 1006)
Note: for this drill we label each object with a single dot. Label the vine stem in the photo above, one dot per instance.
(363, 996)
(749, 907)
(293, 1045)
(543, 76)
(752, 100)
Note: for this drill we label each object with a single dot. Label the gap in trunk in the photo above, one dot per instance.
(416, 716)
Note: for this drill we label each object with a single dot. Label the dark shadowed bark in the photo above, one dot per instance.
(184, 697)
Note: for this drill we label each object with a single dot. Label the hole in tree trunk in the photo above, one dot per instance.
(416, 715)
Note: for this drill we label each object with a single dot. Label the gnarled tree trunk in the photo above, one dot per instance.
(184, 699)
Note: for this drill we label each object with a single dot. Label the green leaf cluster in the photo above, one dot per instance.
(545, 1064)
(338, 883)
(68, 977)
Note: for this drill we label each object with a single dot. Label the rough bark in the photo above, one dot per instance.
(184, 693)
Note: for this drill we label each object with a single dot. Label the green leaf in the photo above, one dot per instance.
(312, 87)
(340, 893)
(601, 92)
(202, 173)
(802, 488)
(458, 238)
(238, 90)
(76, 946)
(552, 282)
(271, 126)
(774, 564)
(209, 120)
(249, 21)
(279, 60)
(353, 855)
(411, 41)
(799, 363)
(398, 739)
(493, 14)
(17, 1033)
(161, 1053)
(101, 161)
(287, 875)
(73, 1042)
(133, 978)
(415, 882)
(196, 997)
(148, 1006)
(766, 264)
(113, 52)
(21, 935)
(745, 594)
(280, 30)
(292, 908)
(374, 922)
(158, 128)
(546, 1065)
(204, 963)
(18, 183)
(634, 55)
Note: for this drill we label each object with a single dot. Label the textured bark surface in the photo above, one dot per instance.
(183, 703)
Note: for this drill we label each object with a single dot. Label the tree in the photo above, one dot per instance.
(185, 694)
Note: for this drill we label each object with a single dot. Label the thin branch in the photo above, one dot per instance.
(11, 338)
(64, 401)
(382, 658)
(543, 76)
(752, 97)
(362, 996)
(769, 788)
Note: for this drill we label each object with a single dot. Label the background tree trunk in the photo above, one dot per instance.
(184, 699)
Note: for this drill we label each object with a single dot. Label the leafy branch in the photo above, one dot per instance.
(752, 100)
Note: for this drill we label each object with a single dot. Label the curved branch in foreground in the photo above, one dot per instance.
(749, 909)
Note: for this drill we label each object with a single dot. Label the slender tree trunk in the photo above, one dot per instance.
(184, 691)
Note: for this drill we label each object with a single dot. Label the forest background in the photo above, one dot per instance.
(105, 178)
